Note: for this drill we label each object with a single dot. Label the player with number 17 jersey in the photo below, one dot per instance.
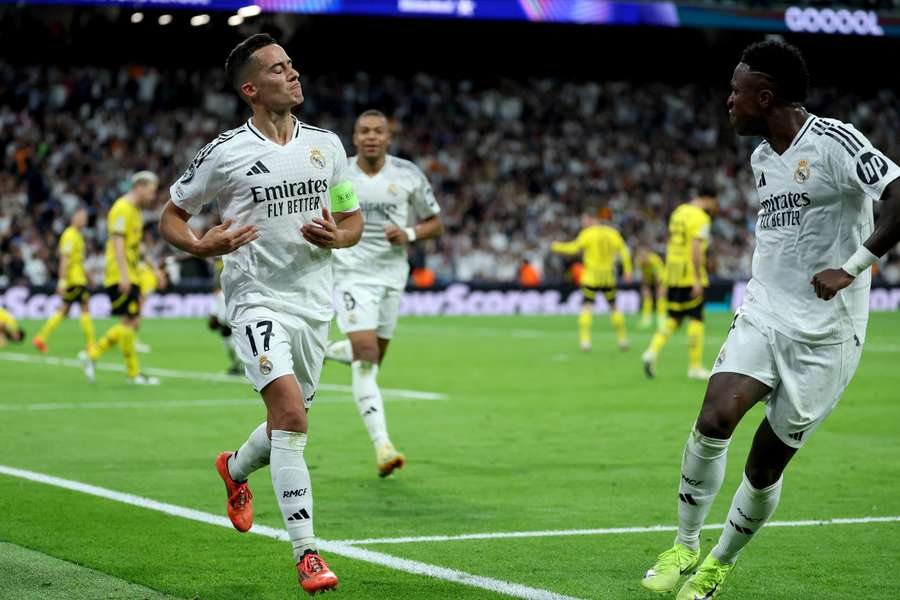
(277, 189)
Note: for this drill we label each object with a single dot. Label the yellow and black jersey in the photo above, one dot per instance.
(599, 245)
(71, 245)
(653, 269)
(124, 219)
(687, 223)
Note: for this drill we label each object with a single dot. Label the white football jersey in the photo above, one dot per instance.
(277, 189)
(815, 211)
(398, 194)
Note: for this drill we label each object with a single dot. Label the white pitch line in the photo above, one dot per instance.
(256, 402)
(339, 548)
(201, 376)
(608, 531)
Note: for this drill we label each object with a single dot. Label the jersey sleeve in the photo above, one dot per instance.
(66, 244)
(700, 227)
(856, 164)
(343, 197)
(117, 220)
(422, 199)
(573, 247)
(201, 182)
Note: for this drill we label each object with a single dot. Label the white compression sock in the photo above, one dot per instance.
(369, 401)
(750, 509)
(253, 455)
(702, 472)
(293, 491)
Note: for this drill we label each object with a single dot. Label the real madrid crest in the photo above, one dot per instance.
(265, 365)
(392, 189)
(801, 174)
(317, 158)
(352, 318)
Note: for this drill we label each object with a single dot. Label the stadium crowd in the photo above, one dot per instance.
(513, 162)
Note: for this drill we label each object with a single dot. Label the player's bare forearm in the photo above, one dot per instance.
(697, 258)
(63, 269)
(431, 227)
(119, 247)
(829, 282)
(174, 228)
(887, 233)
(349, 228)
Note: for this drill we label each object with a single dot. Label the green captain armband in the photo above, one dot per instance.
(343, 198)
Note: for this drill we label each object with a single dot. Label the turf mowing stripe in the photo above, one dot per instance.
(164, 404)
(608, 531)
(200, 376)
(339, 548)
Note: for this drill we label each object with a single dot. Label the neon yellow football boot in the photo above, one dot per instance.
(707, 582)
(670, 566)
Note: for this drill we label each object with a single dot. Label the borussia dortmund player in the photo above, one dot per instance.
(686, 278)
(600, 245)
(73, 283)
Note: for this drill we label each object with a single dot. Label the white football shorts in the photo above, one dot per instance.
(806, 380)
(272, 345)
(362, 307)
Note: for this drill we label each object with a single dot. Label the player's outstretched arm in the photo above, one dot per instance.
(431, 227)
(572, 247)
(173, 227)
(886, 235)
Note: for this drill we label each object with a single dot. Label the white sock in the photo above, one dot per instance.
(369, 401)
(253, 455)
(702, 472)
(293, 491)
(749, 511)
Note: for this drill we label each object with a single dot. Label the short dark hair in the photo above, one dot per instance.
(783, 64)
(372, 112)
(240, 57)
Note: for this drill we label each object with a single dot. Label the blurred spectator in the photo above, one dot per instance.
(528, 275)
(513, 163)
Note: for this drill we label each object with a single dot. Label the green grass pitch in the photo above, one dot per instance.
(529, 435)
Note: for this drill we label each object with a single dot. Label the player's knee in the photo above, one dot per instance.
(367, 353)
(715, 424)
(717, 417)
(290, 419)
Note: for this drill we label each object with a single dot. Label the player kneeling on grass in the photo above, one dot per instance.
(278, 182)
(370, 277)
(797, 338)
(9, 329)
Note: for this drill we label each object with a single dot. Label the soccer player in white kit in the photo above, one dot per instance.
(278, 182)
(793, 344)
(370, 277)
